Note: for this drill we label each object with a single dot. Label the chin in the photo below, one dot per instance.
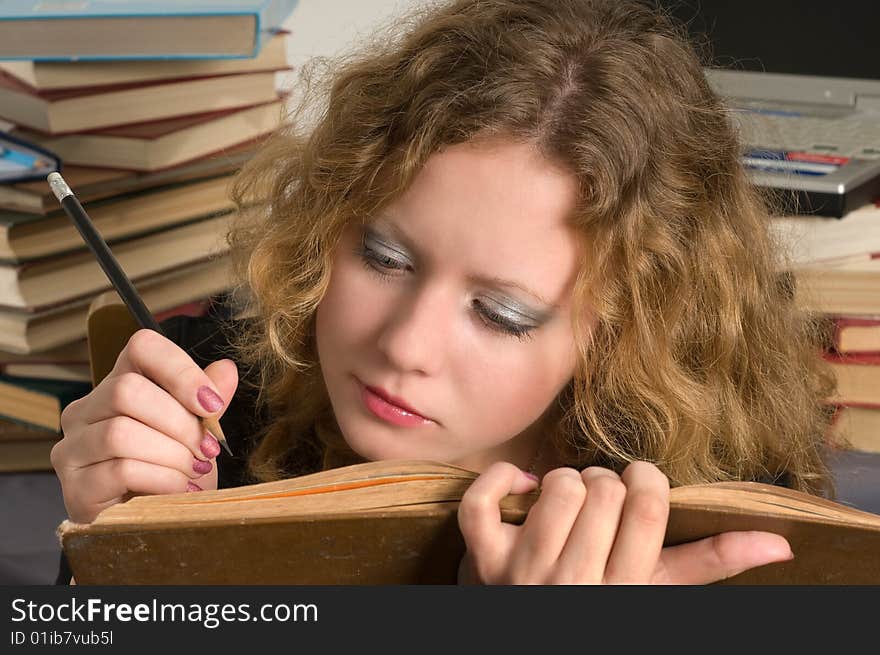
(375, 443)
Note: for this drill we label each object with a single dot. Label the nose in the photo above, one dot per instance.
(417, 332)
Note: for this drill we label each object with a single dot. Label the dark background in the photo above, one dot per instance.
(808, 37)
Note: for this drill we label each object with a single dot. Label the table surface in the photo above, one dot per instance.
(31, 507)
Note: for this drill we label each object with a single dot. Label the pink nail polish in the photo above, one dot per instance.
(210, 446)
(209, 399)
(530, 476)
(201, 467)
(191, 486)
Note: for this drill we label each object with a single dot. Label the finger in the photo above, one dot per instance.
(133, 395)
(106, 483)
(585, 554)
(123, 437)
(224, 375)
(165, 363)
(720, 557)
(642, 526)
(548, 524)
(479, 515)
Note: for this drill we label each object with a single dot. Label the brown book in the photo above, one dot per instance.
(76, 110)
(26, 456)
(395, 522)
(67, 362)
(36, 402)
(26, 237)
(25, 448)
(47, 75)
(38, 285)
(161, 144)
(93, 184)
(123, 29)
(26, 332)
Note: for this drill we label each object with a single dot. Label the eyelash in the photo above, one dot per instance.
(373, 262)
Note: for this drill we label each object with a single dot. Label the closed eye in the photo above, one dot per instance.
(384, 266)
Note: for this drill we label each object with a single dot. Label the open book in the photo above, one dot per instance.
(395, 522)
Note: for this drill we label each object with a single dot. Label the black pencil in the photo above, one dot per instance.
(116, 275)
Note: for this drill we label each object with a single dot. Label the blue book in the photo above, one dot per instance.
(60, 30)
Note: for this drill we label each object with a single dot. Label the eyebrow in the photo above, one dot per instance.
(492, 280)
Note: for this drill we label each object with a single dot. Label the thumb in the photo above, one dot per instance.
(224, 374)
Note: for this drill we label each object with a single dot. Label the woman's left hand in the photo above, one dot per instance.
(595, 527)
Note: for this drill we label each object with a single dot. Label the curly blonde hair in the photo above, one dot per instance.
(698, 361)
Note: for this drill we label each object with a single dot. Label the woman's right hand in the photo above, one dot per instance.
(137, 432)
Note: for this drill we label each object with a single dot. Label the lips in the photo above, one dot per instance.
(390, 408)
(393, 400)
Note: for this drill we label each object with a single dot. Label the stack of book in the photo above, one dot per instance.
(836, 264)
(150, 131)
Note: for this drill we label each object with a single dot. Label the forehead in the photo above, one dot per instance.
(497, 208)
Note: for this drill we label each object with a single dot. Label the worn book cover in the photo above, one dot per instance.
(396, 523)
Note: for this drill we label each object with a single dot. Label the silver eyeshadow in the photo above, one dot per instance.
(508, 308)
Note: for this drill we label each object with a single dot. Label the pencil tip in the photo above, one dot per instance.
(212, 425)
(225, 446)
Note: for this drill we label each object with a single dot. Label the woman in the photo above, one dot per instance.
(518, 239)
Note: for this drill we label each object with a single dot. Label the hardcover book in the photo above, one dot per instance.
(858, 378)
(852, 288)
(856, 334)
(24, 447)
(25, 237)
(36, 402)
(55, 280)
(78, 110)
(395, 522)
(30, 332)
(162, 144)
(109, 29)
(48, 75)
(102, 183)
(67, 362)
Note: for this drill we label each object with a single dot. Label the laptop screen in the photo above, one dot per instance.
(829, 38)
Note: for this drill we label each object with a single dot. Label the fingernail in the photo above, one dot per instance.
(530, 476)
(210, 446)
(201, 467)
(790, 556)
(192, 486)
(209, 399)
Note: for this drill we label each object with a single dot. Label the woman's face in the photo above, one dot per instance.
(454, 302)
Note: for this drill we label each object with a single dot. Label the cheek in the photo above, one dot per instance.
(352, 306)
(516, 389)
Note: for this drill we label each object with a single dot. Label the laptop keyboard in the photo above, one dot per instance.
(852, 135)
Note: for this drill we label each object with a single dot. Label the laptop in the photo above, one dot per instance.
(802, 79)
